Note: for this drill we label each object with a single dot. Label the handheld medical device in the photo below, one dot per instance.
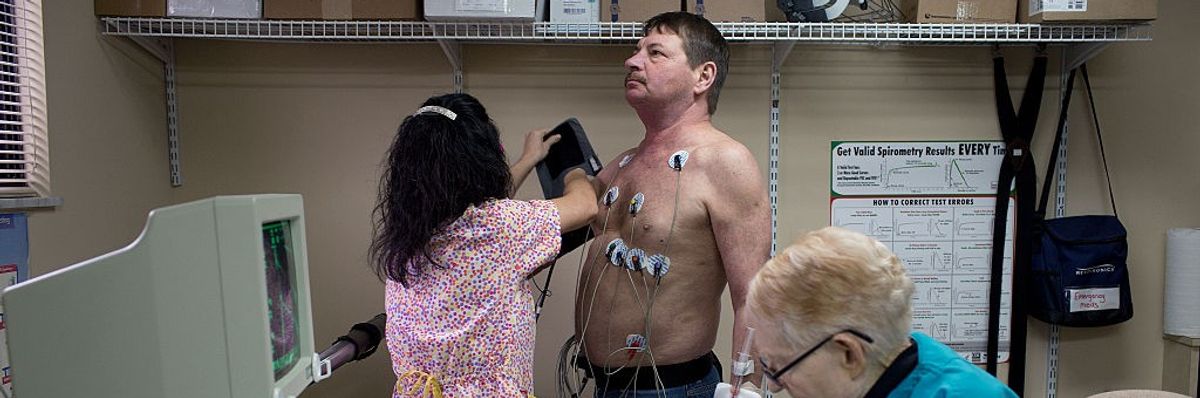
(571, 152)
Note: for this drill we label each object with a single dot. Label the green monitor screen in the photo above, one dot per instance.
(281, 302)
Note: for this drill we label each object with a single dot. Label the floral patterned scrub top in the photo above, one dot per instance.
(469, 323)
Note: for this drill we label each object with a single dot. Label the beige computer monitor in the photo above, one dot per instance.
(212, 300)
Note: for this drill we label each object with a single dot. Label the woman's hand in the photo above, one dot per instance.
(537, 145)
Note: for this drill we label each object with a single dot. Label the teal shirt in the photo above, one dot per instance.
(940, 372)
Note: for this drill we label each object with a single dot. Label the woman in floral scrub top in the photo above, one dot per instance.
(457, 253)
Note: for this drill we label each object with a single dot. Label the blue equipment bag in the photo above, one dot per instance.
(1079, 276)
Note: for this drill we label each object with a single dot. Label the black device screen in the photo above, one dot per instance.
(566, 153)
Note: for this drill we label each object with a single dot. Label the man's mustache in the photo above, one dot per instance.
(631, 77)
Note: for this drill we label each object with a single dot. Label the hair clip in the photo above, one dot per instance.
(437, 109)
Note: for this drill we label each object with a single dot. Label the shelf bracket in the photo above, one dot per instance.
(172, 117)
(1060, 205)
(779, 54)
(1078, 54)
(164, 50)
(158, 47)
(453, 50)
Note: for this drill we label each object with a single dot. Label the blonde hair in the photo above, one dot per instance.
(834, 279)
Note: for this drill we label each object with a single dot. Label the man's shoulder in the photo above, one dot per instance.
(724, 151)
(723, 158)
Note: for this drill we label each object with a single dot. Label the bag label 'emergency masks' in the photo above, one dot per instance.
(1094, 299)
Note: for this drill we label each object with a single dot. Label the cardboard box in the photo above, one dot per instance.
(585, 11)
(386, 9)
(481, 10)
(248, 9)
(960, 11)
(342, 9)
(1073, 11)
(131, 8)
(635, 10)
(729, 10)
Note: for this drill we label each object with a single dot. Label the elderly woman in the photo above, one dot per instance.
(833, 318)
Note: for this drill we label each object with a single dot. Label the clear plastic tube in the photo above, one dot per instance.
(743, 366)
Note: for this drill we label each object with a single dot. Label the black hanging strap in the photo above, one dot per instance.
(1017, 129)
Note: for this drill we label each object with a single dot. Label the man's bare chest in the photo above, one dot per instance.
(649, 204)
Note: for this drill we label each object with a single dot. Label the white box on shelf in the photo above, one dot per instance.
(584, 11)
(480, 10)
(215, 8)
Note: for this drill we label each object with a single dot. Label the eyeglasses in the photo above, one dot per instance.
(775, 375)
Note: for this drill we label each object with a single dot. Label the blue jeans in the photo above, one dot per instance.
(703, 388)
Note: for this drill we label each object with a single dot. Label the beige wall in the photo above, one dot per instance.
(107, 140)
(316, 120)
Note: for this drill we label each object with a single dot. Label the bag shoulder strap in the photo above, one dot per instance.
(1099, 138)
(1063, 110)
(1062, 124)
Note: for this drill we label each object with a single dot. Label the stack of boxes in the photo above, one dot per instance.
(1072, 11)
(1029, 11)
(482, 10)
(269, 9)
(342, 9)
(586, 11)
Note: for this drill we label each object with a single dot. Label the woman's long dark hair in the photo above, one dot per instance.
(436, 168)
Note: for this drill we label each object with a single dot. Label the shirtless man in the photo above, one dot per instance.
(687, 192)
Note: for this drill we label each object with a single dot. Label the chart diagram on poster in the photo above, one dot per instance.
(937, 217)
